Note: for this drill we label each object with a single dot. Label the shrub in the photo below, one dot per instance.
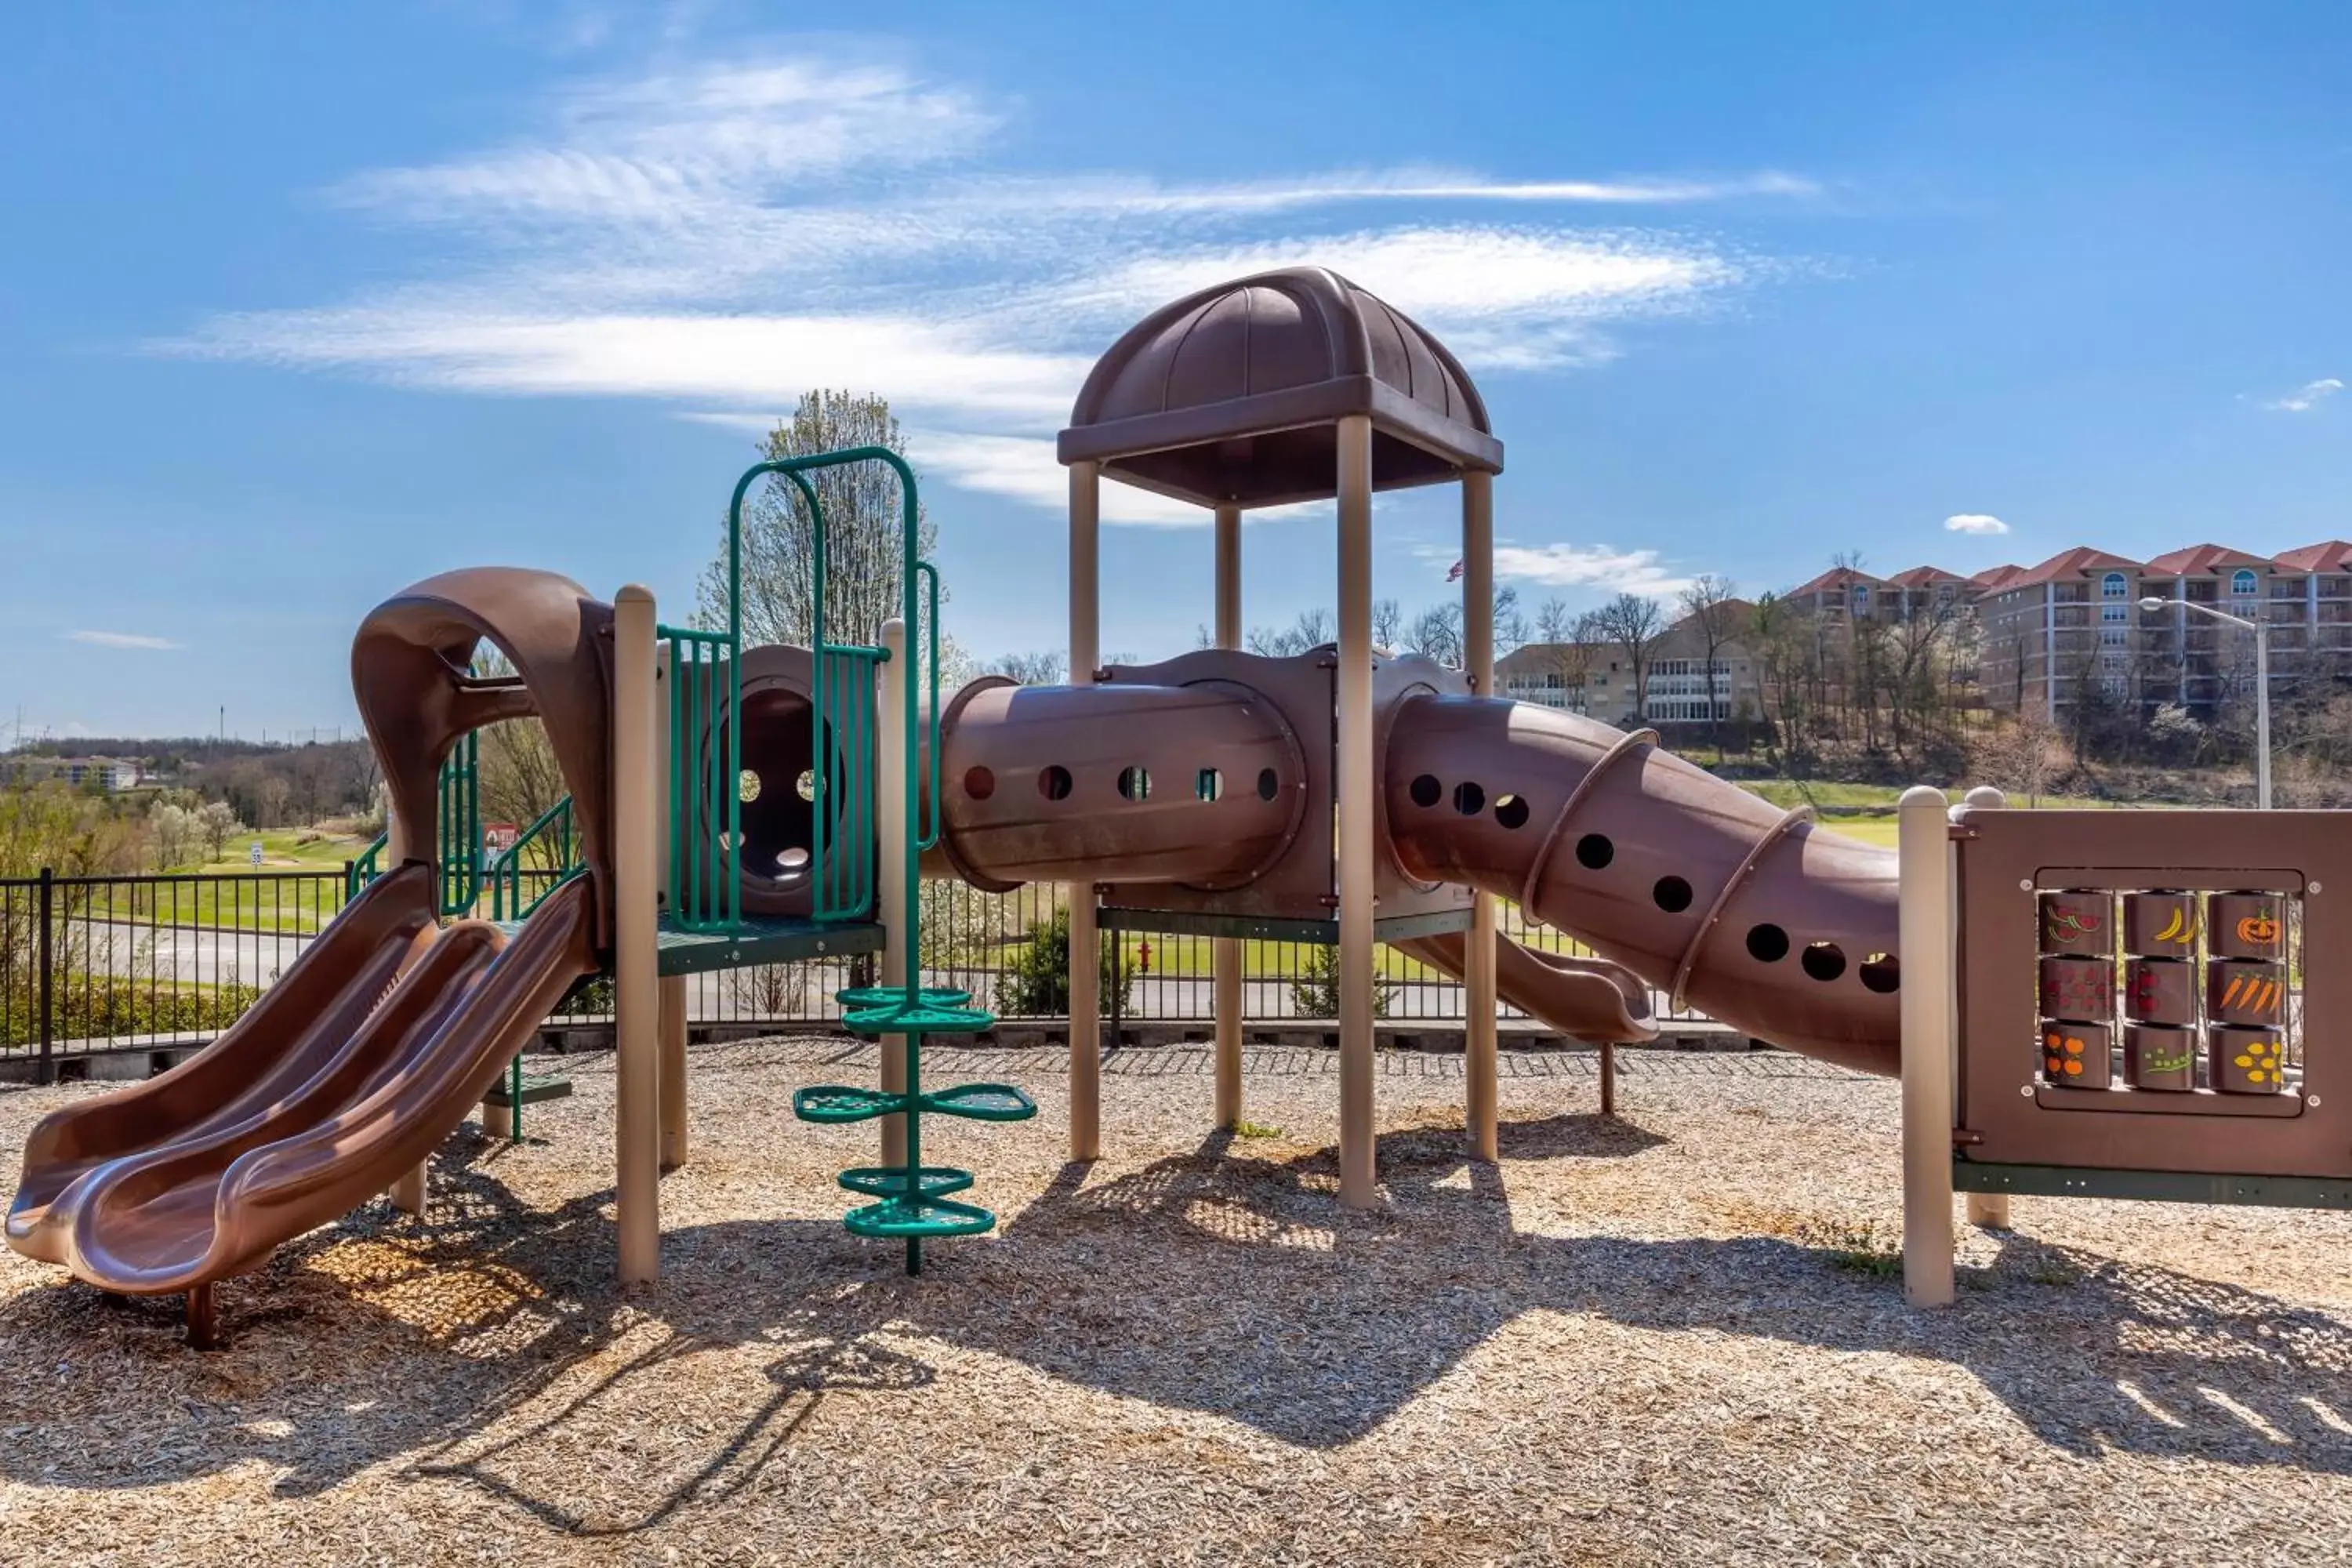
(92, 1007)
(1036, 983)
(1316, 993)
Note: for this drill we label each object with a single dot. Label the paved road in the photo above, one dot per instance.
(179, 955)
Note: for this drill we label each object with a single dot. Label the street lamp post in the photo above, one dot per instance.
(2261, 630)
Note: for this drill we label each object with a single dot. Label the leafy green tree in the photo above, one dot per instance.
(1316, 993)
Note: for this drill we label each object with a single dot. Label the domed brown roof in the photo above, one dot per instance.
(1233, 395)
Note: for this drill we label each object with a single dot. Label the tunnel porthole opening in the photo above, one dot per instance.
(1054, 782)
(792, 863)
(1511, 810)
(1824, 961)
(746, 786)
(1879, 972)
(1426, 791)
(1671, 894)
(1468, 798)
(1209, 784)
(1135, 783)
(979, 783)
(1767, 943)
(1269, 784)
(1594, 851)
(806, 785)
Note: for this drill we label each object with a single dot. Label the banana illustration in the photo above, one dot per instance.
(2181, 928)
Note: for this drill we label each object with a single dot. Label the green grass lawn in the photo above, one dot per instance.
(242, 899)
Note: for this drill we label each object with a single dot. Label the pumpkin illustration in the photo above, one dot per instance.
(2259, 931)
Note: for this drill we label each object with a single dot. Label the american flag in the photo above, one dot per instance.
(1453, 573)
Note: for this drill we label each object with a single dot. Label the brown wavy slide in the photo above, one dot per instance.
(345, 1076)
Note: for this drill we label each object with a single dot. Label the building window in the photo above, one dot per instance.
(2114, 612)
(2113, 586)
(1861, 598)
(2242, 584)
(2113, 636)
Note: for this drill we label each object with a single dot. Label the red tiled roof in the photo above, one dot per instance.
(2080, 562)
(2329, 555)
(1835, 579)
(1993, 577)
(1925, 577)
(2201, 560)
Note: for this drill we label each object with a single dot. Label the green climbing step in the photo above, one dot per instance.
(922, 1018)
(844, 1102)
(923, 1217)
(890, 1181)
(981, 1102)
(862, 997)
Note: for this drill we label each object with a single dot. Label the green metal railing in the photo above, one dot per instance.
(706, 791)
(554, 851)
(844, 782)
(457, 829)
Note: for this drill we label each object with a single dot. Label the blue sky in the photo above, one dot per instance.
(300, 303)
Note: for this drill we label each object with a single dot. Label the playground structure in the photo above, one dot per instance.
(1345, 796)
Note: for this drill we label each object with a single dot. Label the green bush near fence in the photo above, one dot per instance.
(93, 1007)
(1316, 993)
(1037, 979)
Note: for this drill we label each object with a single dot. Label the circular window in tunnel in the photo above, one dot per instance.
(1594, 852)
(979, 783)
(746, 786)
(1427, 791)
(1671, 894)
(1135, 783)
(1054, 782)
(1879, 972)
(805, 786)
(1468, 798)
(1511, 810)
(1823, 961)
(1269, 784)
(792, 862)
(1767, 943)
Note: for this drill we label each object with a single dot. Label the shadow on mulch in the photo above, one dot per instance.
(1215, 1281)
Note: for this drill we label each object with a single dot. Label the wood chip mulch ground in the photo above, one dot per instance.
(1673, 1337)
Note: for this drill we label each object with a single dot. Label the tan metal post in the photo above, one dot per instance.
(673, 986)
(891, 825)
(1478, 998)
(407, 1193)
(1226, 955)
(1358, 1178)
(1086, 987)
(1926, 966)
(1988, 1210)
(637, 974)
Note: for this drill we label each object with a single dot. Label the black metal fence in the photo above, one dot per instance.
(99, 965)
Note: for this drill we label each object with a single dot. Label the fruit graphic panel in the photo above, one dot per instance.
(2248, 1062)
(2162, 925)
(2160, 990)
(2159, 1057)
(2245, 925)
(2078, 922)
(2239, 992)
(2082, 989)
(2074, 1053)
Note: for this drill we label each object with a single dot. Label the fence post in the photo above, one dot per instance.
(48, 1068)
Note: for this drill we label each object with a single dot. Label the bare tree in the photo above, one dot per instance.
(863, 508)
(1633, 623)
(1387, 623)
(1709, 606)
(1043, 667)
(1313, 628)
(1436, 633)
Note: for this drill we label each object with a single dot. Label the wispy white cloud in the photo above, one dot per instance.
(121, 639)
(636, 240)
(2306, 398)
(1598, 566)
(1976, 523)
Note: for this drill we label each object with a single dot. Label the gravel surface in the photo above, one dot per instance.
(1675, 1337)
